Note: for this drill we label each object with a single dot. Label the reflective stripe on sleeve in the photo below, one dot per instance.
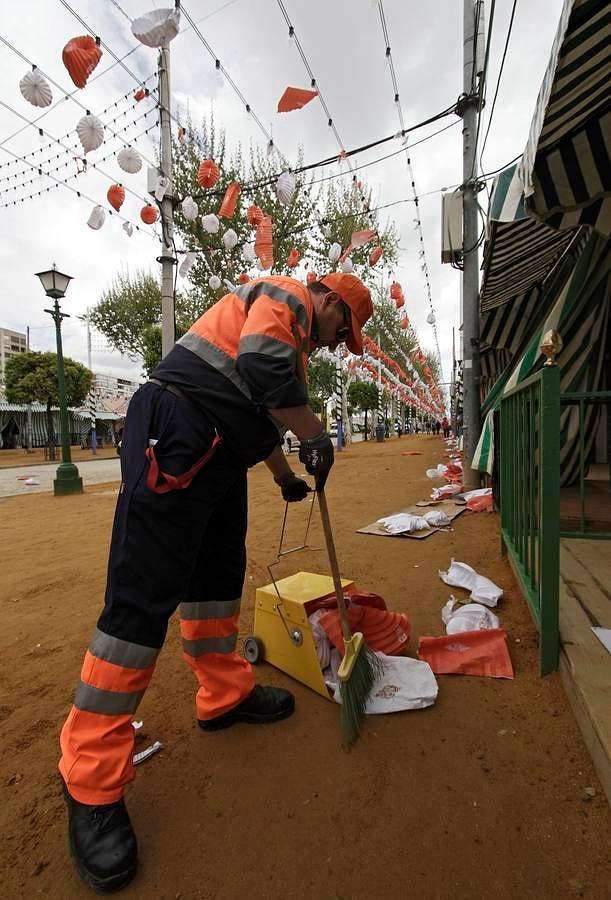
(120, 652)
(209, 609)
(215, 357)
(107, 703)
(267, 289)
(210, 645)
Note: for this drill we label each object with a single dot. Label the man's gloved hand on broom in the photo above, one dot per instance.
(317, 455)
(293, 488)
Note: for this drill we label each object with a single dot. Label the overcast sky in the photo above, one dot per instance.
(343, 42)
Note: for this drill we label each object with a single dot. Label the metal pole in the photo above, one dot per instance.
(470, 293)
(68, 480)
(167, 258)
(28, 438)
(338, 402)
(92, 403)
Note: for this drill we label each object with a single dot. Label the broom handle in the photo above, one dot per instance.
(337, 581)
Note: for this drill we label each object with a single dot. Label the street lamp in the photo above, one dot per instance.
(68, 480)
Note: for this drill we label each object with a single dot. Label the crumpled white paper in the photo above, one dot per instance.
(482, 589)
(439, 472)
(402, 522)
(470, 617)
(437, 518)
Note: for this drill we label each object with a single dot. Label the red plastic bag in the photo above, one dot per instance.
(468, 653)
(480, 504)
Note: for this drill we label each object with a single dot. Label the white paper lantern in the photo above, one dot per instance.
(161, 185)
(187, 264)
(211, 223)
(35, 88)
(129, 160)
(335, 251)
(91, 133)
(214, 282)
(285, 187)
(189, 208)
(97, 217)
(157, 28)
(347, 265)
(230, 239)
(128, 228)
(248, 252)
(431, 318)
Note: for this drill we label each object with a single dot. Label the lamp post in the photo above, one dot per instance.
(68, 480)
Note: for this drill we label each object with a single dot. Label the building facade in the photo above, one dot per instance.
(11, 343)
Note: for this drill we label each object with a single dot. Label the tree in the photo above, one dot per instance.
(33, 376)
(321, 384)
(363, 395)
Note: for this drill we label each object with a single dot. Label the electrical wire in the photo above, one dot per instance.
(397, 102)
(498, 81)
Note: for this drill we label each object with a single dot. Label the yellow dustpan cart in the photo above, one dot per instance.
(282, 634)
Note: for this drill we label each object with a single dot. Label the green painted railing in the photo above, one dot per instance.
(584, 400)
(530, 498)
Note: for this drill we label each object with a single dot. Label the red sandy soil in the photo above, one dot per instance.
(478, 797)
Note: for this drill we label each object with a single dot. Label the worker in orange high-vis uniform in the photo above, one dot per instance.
(216, 405)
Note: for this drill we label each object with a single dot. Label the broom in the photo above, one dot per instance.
(359, 667)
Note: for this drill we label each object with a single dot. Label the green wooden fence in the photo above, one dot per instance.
(530, 498)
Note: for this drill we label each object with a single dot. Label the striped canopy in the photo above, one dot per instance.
(565, 167)
(579, 314)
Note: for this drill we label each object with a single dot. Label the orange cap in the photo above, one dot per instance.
(357, 297)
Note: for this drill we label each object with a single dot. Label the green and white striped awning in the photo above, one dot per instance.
(565, 167)
(579, 314)
(519, 251)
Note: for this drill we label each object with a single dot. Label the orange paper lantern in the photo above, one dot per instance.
(375, 255)
(148, 214)
(208, 173)
(293, 258)
(395, 290)
(80, 56)
(295, 98)
(254, 215)
(227, 207)
(263, 242)
(116, 196)
(243, 278)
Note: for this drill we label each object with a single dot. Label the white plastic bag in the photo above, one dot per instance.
(439, 472)
(470, 617)
(402, 522)
(436, 518)
(482, 589)
(404, 683)
(479, 492)
(444, 492)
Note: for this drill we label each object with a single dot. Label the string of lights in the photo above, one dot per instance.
(57, 169)
(66, 93)
(61, 144)
(73, 150)
(417, 220)
(313, 81)
(223, 71)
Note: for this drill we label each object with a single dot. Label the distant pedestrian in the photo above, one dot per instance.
(446, 427)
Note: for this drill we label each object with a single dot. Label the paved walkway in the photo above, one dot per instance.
(95, 471)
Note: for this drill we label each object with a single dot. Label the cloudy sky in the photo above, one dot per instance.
(344, 45)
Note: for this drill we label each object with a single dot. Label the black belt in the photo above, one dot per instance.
(168, 386)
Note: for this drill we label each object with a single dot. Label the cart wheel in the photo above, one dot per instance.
(253, 650)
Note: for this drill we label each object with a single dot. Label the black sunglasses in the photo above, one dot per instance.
(345, 329)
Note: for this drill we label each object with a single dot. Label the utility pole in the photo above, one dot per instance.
(473, 52)
(91, 399)
(167, 258)
(29, 407)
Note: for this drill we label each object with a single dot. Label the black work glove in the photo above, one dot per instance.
(317, 455)
(292, 487)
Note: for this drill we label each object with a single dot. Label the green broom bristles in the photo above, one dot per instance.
(355, 693)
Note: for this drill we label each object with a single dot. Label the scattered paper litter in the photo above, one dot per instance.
(436, 518)
(31, 481)
(604, 636)
(480, 492)
(439, 472)
(448, 490)
(403, 683)
(482, 589)
(402, 522)
(470, 617)
(145, 754)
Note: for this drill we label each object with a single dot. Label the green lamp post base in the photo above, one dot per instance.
(68, 480)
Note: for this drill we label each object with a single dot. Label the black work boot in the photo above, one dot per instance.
(102, 843)
(265, 704)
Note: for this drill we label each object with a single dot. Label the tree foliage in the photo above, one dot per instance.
(32, 377)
